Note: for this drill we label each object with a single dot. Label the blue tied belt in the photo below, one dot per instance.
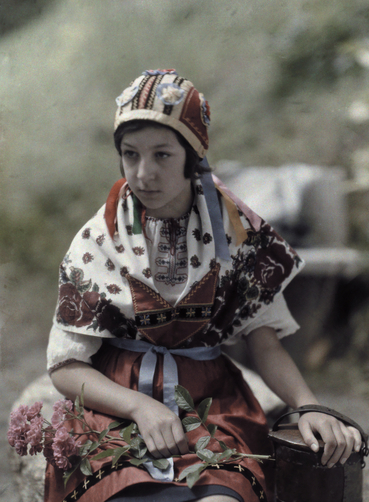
(170, 370)
(170, 380)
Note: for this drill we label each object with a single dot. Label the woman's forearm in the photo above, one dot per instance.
(277, 368)
(100, 393)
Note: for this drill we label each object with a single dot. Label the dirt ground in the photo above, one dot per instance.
(334, 388)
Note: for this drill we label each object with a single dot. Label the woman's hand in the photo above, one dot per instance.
(339, 439)
(160, 428)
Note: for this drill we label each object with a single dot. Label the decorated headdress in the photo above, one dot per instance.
(165, 97)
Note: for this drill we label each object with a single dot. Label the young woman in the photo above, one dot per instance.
(171, 268)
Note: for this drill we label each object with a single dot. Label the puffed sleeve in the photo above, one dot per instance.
(277, 316)
(66, 347)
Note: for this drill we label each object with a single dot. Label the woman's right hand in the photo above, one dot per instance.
(160, 428)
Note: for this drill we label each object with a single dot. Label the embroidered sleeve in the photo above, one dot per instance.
(277, 316)
(65, 347)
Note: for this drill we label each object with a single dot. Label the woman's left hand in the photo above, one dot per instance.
(339, 440)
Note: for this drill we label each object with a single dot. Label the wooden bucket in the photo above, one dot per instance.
(300, 476)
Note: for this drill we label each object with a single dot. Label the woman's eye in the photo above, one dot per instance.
(129, 154)
(162, 155)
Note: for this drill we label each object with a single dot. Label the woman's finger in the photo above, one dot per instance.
(155, 443)
(335, 443)
(170, 442)
(161, 449)
(175, 439)
(357, 438)
(151, 446)
(350, 442)
(180, 438)
(307, 434)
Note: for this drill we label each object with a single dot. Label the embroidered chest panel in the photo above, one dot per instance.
(169, 326)
(170, 265)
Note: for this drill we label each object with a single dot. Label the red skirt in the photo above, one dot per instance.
(235, 410)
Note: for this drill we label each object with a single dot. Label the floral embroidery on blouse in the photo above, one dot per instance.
(87, 258)
(195, 262)
(100, 239)
(109, 265)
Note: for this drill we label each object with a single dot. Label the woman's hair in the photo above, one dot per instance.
(192, 167)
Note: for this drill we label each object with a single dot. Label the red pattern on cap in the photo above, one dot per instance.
(191, 117)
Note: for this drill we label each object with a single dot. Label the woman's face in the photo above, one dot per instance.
(153, 163)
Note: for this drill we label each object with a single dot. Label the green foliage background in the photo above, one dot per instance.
(280, 77)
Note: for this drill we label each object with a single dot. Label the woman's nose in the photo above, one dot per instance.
(146, 169)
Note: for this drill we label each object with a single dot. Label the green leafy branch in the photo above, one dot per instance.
(208, 457)
(136, 450)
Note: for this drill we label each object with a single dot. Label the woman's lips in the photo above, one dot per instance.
(149, 192)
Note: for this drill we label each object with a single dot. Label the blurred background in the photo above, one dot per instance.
(287, 83)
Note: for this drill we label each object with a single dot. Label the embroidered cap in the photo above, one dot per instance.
(165, 97)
